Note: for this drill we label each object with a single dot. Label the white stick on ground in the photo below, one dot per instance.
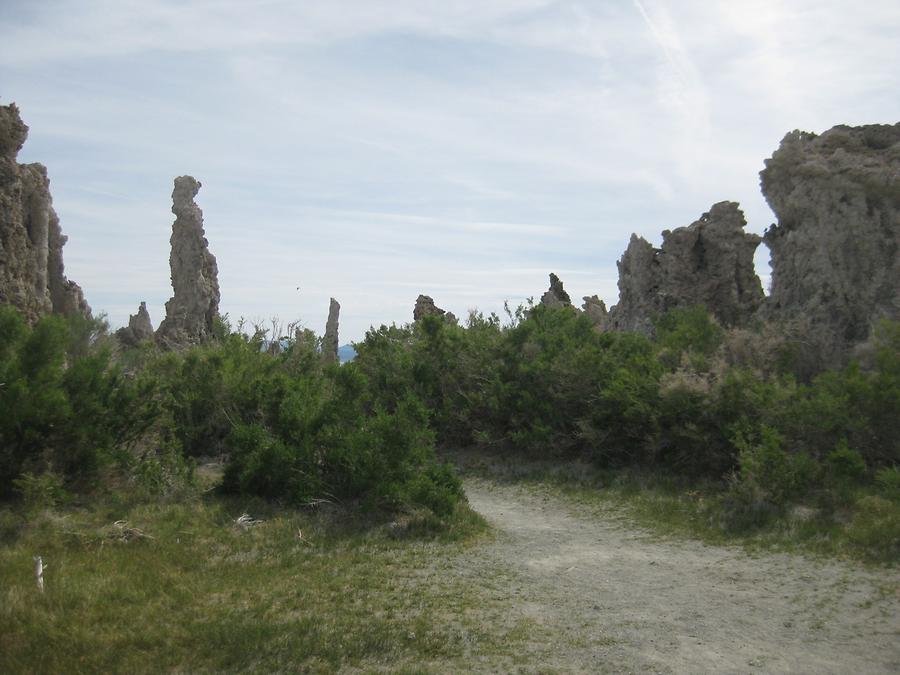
(39, 572)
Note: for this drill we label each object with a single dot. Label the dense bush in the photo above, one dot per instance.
(452, 370)
(202, 388)
(297, 431)
(547, 383)
(690, 330)
(695, 401)
(291, 429)
(67, 408)
(692, 400)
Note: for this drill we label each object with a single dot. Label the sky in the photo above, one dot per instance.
(373, 150)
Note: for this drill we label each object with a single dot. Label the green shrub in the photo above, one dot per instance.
(298, 432)
(385, 358)
(437, 488)
(43, 491)
(855, 404)
(875, 528)
(564, 388)
(261, 464)
(845, 465)
(162, 470)
(888, 482)
(65, 403)
(690, 329)
(781, 476)
(744, 507)
(203, 387)
(624, 416)
(688, 439)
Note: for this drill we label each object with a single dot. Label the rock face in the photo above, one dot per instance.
(191, 311)
(556, 295)
(834, 250)
(596, 311)
(330, 341)
(425, 307)
(709, 262)
(139, 328)
(140, 323)
(32, 276)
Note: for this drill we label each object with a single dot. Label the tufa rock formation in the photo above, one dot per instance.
(139, 328)
(330, 340)
(834, 249)
(639, 279)
(595, 309)
(32, 276)
(556, 295)
(425, 307)
(709, 262)
(191, 311)
(834, 257)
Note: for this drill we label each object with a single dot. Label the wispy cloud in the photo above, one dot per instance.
(669, 44)
(372, 150)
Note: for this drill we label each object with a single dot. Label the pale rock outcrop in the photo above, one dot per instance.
(192, 310)
(556, 295)
(595, 309)
(709, 262)
(834, 250)
(330, 340)
(32, 275)
(140, 323)
(139, 328)
(425, 307)
(639, 280)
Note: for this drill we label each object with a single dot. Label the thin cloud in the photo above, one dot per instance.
(372, 151)
(667, 42)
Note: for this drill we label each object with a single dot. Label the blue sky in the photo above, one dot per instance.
(372, 151)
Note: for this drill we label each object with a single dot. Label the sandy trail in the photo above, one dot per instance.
(605, 597)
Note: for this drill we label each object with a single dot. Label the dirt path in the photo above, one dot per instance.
(603, 597)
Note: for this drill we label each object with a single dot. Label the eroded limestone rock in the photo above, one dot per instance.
(709, 262)
(596, 311)
(32, 275)
(330, 340)
(834, 250)
(192, 310)
(639, 279)
(139, 328)
(556, 295)
(425, 307)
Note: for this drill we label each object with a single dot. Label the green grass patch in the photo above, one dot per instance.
(181, 587)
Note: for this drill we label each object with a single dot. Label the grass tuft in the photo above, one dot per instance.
(300, 591)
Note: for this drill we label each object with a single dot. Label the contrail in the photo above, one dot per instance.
(661, 41)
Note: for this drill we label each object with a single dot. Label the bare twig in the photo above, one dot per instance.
(245, 521)
(315, 503)
(128, 533)
(228, 417)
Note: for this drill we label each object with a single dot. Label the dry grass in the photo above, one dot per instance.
(197, 593)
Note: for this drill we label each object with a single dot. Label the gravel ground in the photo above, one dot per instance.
(602, 596)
